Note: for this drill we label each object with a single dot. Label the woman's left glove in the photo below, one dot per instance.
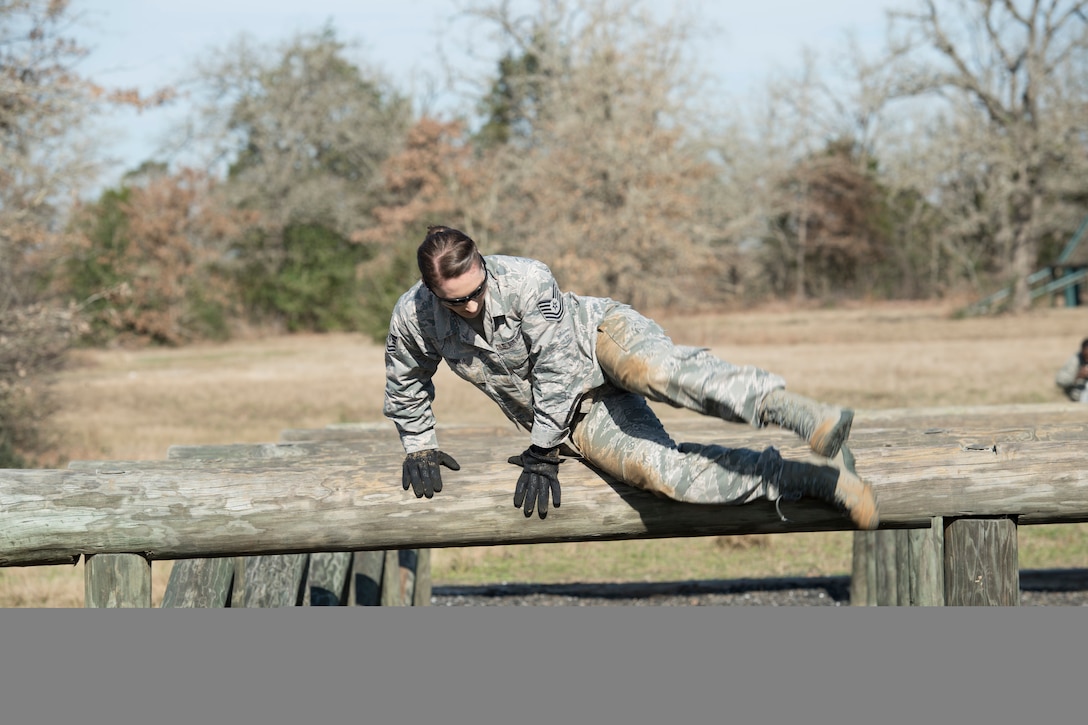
(539, 477)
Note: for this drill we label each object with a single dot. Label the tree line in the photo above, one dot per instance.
(950, 161)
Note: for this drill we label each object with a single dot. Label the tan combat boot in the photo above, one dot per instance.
(833, 480)
(824, 427)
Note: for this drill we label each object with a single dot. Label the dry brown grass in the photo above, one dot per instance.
(125, 404)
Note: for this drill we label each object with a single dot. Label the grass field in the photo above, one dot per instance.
(134, 404)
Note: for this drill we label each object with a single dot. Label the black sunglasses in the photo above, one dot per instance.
(460, 301)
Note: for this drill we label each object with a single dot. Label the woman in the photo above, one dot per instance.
(1072, 378)
(576, 372)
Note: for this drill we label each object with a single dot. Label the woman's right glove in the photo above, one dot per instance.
(421, 471)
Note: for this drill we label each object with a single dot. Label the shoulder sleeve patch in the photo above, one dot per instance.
(391, 345)
(552, 307)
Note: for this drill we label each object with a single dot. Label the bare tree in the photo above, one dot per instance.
(798, 165)
(1011, 143)
(597, 174)
(300, 127)
(41, 101)
(44, 104)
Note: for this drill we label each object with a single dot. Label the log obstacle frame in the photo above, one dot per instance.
(320, 518)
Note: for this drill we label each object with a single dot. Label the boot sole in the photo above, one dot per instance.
(828, 439)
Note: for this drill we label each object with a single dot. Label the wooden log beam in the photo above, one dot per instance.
(167, 512)
(272, 580)
(263, 583)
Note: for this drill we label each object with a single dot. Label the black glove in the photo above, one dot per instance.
(539, 476)
(421, 471)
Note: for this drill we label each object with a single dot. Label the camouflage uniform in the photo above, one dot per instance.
(1069, 381)
(580, 369)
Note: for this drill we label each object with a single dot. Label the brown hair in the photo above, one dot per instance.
(444, 254)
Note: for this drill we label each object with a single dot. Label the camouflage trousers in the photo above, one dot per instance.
(618, 432)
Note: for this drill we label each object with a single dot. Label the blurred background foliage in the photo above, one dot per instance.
(593, 143)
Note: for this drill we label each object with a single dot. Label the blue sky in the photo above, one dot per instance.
(150, 43)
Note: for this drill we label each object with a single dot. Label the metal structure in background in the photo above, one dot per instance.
(1067, 276)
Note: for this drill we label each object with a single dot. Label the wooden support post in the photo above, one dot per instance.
(902, 567)
(274, 580)
(238, 583)
(887, 571)
(399, 578)
(926, 548)
(204, 583)
(328, 579)
(899, 567)
(117, 580)
(421, 593)
(981, 562)
(863, 570)
(366, 579)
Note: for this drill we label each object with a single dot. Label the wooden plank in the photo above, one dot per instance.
(927, 565)
(266, 581)
(117, 580)
(399, 578)
(863, 570)
(922, 428)
(328, 571)
(1018, 412)
(276, 580)
(898, 567)
(328, 578)
(393, 581)
(887, 570)
(981, 562)
(368, 571)
(421, 592)
(204, 583)
(238, 584)
(169, 513)
(903, 567)
(275, 451)
(385, 431)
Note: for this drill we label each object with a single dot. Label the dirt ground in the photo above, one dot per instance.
(134, 404)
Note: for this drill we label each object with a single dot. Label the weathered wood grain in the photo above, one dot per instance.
(273, 581)
(327, 572)
(49, 516)
(327, 583)
(368, 568)
(926, 569)
(899, 426)
(202, 583)
(117, 581)
(981, 563)
(887, 570)
(421, 590)
(863, 569)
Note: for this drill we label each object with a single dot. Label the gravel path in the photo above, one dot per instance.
(1056, 588)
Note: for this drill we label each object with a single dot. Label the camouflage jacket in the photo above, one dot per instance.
(1068, 377)
(536, 358)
